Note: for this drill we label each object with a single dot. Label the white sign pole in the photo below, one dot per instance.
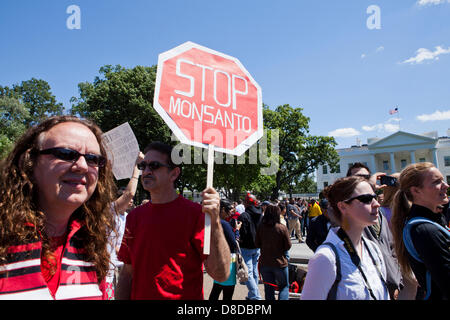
(209, 183)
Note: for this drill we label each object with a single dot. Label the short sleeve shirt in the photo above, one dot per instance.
(290, 215)
(164, 245)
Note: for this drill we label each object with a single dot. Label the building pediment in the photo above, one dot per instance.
(401, 138)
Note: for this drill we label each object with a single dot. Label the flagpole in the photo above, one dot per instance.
(398, 118)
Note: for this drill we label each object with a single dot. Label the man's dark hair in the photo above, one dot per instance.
(161, 148)
(356, 165)
(166, 149)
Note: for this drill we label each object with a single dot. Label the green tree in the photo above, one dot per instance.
(300, 153)
(36, 96)
(305, 184)
(232, 175)
(13, 115)
(118, 95)
(121, 95)
(193, 173)
(236, 175)
(262, 187)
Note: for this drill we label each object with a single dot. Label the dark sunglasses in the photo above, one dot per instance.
(93, 160)
(153, 165)
(364, 198)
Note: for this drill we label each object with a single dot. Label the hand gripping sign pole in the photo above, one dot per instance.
(199, 91)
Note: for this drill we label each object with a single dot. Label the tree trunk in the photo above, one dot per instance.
(276, 189)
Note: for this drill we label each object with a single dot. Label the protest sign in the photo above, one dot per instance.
(209, 100)
(123, 149)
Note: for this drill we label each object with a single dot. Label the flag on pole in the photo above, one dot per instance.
(395, 110)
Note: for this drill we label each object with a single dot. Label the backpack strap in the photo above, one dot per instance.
(333, 291)
(412, 250)
(407, 234)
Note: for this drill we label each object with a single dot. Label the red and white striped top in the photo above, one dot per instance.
(21, 277)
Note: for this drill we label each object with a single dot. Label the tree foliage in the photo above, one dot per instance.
(300, 153)
(23, 105)
(13, 116)
(121, 95)
(118, 95)
(37, 98)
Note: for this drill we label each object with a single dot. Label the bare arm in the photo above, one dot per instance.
(217, 264)
(123, 291)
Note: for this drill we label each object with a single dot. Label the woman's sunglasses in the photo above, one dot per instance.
(93, 160)
(364, 198)
(153, 165)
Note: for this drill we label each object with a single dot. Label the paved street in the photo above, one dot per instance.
(299, 254)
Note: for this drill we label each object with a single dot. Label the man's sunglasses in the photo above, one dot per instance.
(93, 160)
(364, 198)
(153, 165)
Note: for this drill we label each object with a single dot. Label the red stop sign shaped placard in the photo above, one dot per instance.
(207, 97)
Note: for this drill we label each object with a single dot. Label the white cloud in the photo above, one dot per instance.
(377, 50)
(390, 127)
(431, 2)
(344, 133)
(424, 54)
(383, 127)
(438, 115)
(370, 128)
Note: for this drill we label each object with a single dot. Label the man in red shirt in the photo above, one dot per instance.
(162, 248)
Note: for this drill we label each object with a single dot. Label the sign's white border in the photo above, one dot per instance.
(244, 145)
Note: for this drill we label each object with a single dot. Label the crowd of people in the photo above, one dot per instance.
(66, 232)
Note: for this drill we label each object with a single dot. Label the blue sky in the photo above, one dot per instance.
(318, 55)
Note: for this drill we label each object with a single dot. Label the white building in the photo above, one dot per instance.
(392, 154)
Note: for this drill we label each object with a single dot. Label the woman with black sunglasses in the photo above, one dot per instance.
(347, 266)
(56, 189)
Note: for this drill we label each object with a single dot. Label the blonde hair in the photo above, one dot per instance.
(411, 176)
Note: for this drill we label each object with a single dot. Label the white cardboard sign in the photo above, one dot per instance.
(123, 149)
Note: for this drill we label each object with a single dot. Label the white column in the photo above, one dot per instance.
(392, 162)
(435, 158)
(373, 163)
(413, 156)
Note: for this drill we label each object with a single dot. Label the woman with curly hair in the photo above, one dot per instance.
(56, 189)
